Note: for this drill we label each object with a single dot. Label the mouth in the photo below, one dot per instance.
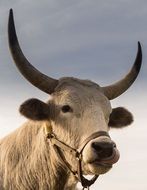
(98, 168)
(107, 162)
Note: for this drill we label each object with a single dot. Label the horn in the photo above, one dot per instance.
(34, 76)
(121, 86)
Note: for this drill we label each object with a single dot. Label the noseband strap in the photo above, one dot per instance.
(77, 153)
(91, 137)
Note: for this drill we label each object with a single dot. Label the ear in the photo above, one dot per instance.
(35, 109)
(120, 117)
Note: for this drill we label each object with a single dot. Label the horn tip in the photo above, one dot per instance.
(11, 13)
(11, 10)
(11, 29)
(138, 60)
(139, 47)
(139, 44)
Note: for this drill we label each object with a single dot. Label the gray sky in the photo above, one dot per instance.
(89, 39)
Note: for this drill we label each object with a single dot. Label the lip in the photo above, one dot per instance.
(108, 162)
(98, 163)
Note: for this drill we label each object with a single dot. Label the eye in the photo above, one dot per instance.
(66, 108)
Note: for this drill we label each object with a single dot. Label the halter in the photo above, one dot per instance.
(77, 153)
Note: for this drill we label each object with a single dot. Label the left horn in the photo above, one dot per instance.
(38, 79)
(121, 86)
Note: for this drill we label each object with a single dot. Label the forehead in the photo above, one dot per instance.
(75, 86)
(72, 89)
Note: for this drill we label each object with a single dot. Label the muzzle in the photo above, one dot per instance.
(77, 153)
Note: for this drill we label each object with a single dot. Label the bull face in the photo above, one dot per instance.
(78, 108)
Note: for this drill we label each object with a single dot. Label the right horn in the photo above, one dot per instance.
(121, 86)
(38, 79)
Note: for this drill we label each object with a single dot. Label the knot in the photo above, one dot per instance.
(48, 131)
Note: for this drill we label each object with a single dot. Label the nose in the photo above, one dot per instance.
(104, 149)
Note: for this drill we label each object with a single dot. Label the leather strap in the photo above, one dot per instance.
(77, 153)
(91, 137)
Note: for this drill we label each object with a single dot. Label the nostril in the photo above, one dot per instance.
(103, 149)
(97, 146)
(114, 145)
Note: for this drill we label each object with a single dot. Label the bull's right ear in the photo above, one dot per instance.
(35, 109)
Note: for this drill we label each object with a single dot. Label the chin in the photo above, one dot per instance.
(98, 169)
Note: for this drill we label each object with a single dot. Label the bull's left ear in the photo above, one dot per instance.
(120, 117)
(35, 109)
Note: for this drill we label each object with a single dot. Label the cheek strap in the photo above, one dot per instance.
(77, 153)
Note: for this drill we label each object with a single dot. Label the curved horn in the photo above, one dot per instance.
(121, 86)
(34, 76)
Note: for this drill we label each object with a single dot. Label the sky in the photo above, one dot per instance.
(87, 39)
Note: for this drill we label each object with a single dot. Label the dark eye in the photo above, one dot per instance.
(66, 108)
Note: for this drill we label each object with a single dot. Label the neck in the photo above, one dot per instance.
(52, 172)
(36, 165)
(58, 175)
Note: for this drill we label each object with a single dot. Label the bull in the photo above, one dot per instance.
(67, 137)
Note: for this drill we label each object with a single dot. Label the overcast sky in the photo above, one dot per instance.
(88, 39)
